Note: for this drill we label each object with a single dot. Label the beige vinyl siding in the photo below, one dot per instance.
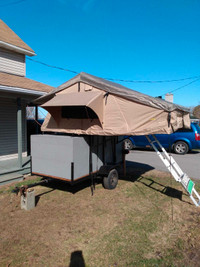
(12, 62)
(8, 128)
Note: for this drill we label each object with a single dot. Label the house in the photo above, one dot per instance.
(16, 93)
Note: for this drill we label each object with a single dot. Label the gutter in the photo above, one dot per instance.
(9, 89)
(17, 49)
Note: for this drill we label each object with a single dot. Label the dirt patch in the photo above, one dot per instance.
(137, 224)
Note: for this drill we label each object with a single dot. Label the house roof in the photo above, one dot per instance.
(8, 39)
(115, 89)
(15, 81)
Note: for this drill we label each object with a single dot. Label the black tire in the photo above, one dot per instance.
(128, 144)
(111, 181)
(181, 148)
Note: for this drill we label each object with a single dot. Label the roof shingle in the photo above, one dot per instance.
(22, 82)
(8, 36)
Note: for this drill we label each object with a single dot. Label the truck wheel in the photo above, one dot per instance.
(110, 182)
(128, 144)
(181, 148)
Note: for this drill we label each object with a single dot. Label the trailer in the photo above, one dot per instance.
(75, 158)
(88, 117)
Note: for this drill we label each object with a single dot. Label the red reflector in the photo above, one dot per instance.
(197, 136)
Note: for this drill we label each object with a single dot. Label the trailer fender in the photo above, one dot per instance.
(105, 169)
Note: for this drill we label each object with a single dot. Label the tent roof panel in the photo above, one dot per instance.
(115, 89)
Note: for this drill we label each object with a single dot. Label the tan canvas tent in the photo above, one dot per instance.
(94, 106)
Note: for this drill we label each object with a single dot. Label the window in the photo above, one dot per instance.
(78, 112)
(182, 130)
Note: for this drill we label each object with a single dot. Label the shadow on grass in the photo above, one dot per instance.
(55, 184)
(165, 190)
(37, 198)
(77, 259)
(135, 170)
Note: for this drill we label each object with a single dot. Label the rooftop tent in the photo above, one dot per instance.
(94, 106)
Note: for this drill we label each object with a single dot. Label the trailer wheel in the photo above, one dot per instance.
(111, 181)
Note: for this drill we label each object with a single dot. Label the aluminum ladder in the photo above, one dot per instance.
(175, 170)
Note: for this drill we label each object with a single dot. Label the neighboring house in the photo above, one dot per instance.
(16, 92)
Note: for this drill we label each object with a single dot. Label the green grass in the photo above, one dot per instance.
(137, 224)
(10, 188)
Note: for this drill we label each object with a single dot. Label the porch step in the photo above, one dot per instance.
(11, 177)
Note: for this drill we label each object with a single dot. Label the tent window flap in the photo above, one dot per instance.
(78, 112)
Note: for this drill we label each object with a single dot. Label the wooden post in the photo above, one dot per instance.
(124, 159)
(19, 131)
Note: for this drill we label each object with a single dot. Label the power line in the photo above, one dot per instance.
(51, 66)
(121, 80)
(130, 81)
(158, 81)
(182, 86)
(13, 3)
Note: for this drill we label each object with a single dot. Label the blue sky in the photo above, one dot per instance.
(129, 40)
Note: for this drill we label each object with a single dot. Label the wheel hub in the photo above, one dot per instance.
(180, 148)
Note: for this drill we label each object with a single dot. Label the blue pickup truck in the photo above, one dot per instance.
(180, 141)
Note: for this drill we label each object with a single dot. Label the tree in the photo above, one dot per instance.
(196, 112)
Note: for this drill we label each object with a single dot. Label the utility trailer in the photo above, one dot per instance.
(87, 113)
(74, 158)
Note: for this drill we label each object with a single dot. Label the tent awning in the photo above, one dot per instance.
(91, 100)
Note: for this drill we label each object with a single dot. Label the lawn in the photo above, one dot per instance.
(147, 220)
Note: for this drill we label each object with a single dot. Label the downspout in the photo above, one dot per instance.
(19, 131)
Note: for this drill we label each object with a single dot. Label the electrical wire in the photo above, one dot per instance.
(51, 66)
(158, 81)
(131, 81)
(119, 80)
(181, 87)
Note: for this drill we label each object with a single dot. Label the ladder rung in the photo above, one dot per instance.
(176, 171)
(193, 199)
